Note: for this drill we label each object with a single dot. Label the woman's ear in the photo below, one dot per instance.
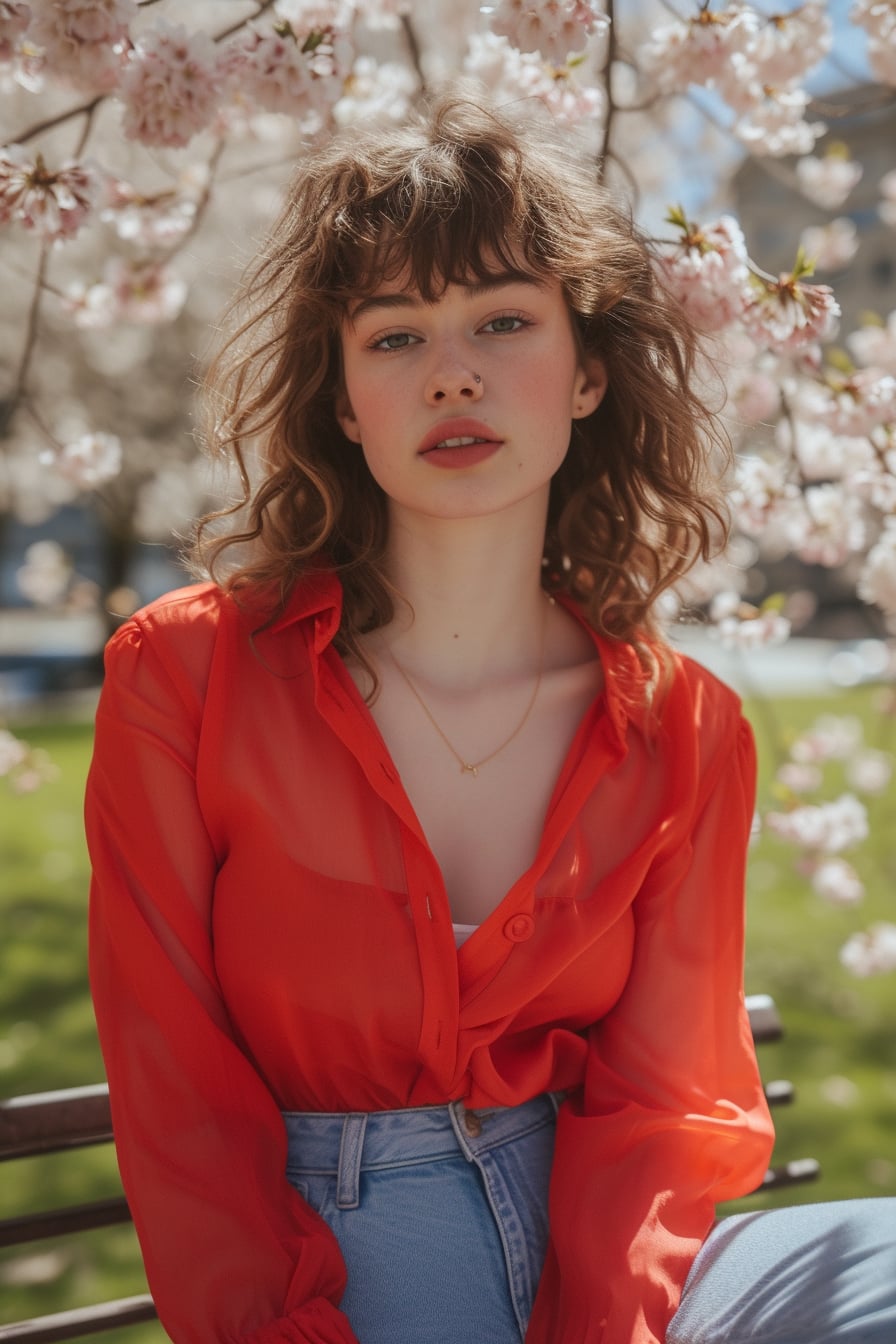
(590, 386)
(345, 417)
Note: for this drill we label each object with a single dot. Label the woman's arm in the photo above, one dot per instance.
(232, 1253)
(672, 1118)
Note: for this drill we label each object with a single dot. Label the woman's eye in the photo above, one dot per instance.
(395, 340)
(505, 324)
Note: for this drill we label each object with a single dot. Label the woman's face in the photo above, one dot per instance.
(463, 407)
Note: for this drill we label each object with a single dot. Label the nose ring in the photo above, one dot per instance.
(476, 378)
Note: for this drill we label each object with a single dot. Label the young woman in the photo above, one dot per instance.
(417, 913)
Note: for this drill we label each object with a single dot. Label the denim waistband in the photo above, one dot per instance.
(344, 1144)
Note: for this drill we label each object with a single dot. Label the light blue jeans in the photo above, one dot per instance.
(441, 1216)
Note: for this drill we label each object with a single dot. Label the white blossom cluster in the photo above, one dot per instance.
(554, 29)
(822, 828)
(23, 767)
(756, 62)
(707, 269)
(507, 73)
(872, 952)
(878, 18)
(823, 831)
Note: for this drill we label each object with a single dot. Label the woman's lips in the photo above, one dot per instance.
(465, 454)
(461, 442)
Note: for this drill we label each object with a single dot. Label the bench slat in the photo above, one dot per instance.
(50, 1122)
(81, 1321)
(797, 1172)
(765, 1024)
(779, 1092)
(60, 1222)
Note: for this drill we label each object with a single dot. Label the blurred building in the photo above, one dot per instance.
(773, 212)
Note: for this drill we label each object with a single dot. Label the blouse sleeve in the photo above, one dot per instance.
(672, 1117)
(232, 1252)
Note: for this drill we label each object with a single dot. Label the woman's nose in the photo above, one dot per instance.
(453, 379)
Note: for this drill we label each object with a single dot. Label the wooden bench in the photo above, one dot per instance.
(52, 1122)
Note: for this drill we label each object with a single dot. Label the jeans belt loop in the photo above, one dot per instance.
(351, 1147)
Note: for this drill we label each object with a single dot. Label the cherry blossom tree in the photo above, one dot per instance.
(146, 142)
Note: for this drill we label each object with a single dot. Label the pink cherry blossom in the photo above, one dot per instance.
(831, 737)
(509, 74)
(828, 181)
(760, 490)
(772, 121)
(831, 246)
(870, 771)
(24, 767)
(700, 50)
(170, 88)
(706, 270)
(877, 485)
(799, 777)
(877, 578)
(752, 629)
(875, 344)
(872, 952)
(84, 42)
(14, 20)
(836, 881)
(851, 404)
(835, 526)
(53, 205)
(156, 220)
(754, 397)
(788, 44)
(878, 18)
(145, 291)
(820, 454)
(786, 314)
(822, 828)
(88, 461)
(553, 28)
(318, 16)
(296, 73)
(13, 752)
(142, 292)
(375, 92)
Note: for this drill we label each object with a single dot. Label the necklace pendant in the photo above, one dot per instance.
(468, 769)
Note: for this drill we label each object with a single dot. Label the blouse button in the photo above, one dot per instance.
(519, 928)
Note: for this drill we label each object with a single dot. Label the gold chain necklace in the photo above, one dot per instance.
(473, 767)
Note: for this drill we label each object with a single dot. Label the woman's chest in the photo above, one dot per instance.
(485, 825)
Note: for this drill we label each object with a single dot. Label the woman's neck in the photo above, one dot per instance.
(475, 606)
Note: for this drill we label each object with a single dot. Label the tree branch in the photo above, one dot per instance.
(19, 391)
(86, 109)
(607, 75)
(410, 37)
(235, 27)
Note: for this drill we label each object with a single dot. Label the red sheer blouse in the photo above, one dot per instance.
(270, 931)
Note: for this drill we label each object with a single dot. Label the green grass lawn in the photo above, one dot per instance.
(840, 1048)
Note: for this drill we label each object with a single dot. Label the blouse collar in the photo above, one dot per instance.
(317, 598)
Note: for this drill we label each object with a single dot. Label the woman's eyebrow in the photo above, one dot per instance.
(475, 290)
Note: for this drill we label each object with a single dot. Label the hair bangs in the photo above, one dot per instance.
(437, 223)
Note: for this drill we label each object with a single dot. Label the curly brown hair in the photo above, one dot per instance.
(461, 194)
